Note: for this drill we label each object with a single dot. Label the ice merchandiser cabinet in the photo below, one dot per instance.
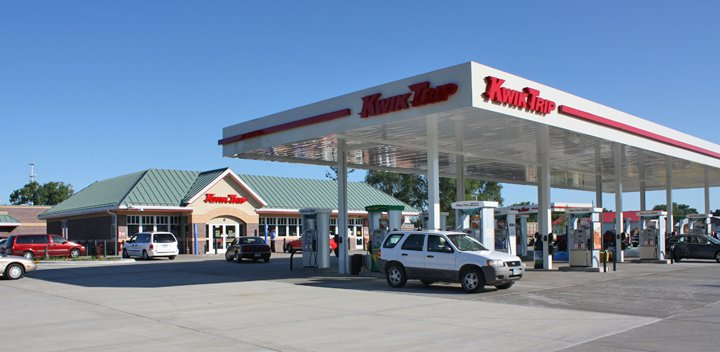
(584, 238)
(652, 234)
(315, 238)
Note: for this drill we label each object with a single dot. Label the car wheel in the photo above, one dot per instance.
(145, 255)
(171, 257)
(237, 258)
(29, 255)
(395, 276)
(427, 282)
(228, 259)
(74, 253)
(676, 257)
(472, 280)
(266, 260)
(717, 257)
(125, 254)
(505, 286)
(14, 271)
(288, 248)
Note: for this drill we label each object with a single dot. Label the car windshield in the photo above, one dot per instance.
(712, 239)
(464, 242)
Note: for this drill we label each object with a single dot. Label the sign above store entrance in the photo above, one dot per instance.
(229, 199)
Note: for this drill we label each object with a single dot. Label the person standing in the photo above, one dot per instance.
(273, 237)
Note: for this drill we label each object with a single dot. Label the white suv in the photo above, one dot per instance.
(147, 245)
(432, 256)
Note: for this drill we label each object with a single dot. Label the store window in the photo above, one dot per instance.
(294, 226)
(282, 227)
(133, 225)
(333, 226)
(162, 223)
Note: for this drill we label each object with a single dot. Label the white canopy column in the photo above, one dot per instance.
(433, 174)
(598, 176)
(641, 173)
(618, 159)
(459, 172)
(342, 207)
(707, 193)
(670, 223)
(544, 220)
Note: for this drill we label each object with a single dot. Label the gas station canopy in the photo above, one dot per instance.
(489, 122)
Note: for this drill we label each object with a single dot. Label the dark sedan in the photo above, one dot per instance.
(694, 247)
(253, 248)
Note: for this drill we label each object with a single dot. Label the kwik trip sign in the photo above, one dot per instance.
(229, 199)
(420, 94)
(528, 99)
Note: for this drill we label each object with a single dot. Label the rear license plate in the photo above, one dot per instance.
(257, 254)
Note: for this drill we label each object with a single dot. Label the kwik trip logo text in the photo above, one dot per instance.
(422, 94)
(229, 199)
(529, 99)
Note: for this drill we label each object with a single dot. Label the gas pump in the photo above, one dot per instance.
(652, 234)
(699, 224)
(478, 218)
(315, 238)
(506, 238)
(379, 227)
(584, 236)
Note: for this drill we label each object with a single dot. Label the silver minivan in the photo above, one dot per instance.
(148, 245)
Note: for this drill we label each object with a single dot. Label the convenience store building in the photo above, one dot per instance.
(207, 210)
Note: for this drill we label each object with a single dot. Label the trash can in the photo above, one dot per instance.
(356, 262)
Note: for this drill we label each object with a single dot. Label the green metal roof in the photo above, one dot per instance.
(158, 187)
(161, 188)
(298, 193)
(8, 220)
(202, 181)
(145, 188)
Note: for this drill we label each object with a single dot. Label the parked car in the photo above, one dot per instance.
(296, 245)
(32, 246)
(14, 267)
(432, 256)
(694, 247)
(253, 248)
(148, 245)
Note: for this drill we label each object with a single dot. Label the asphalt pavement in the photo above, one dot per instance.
(203, 303)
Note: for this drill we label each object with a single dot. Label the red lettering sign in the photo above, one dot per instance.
(229, 199)
(421, 93)
(529, 99)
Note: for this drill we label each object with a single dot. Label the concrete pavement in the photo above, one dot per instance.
(204, 303)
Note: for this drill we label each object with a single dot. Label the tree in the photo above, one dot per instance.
(413, 190)
(333, 173)
(409, 188)
(680, 211)
(33, 193)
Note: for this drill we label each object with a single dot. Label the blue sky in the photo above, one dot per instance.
(96, 89)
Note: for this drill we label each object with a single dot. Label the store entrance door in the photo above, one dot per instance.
(221, 232)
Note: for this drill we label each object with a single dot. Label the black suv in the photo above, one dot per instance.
(694, 247)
